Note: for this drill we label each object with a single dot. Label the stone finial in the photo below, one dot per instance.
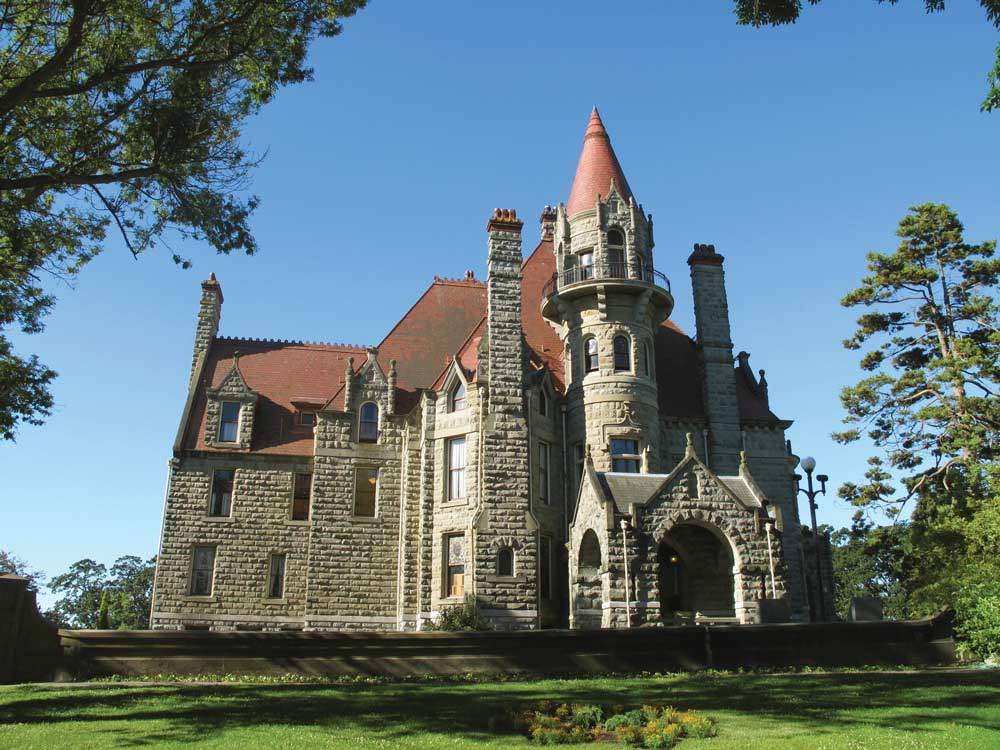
(743, 463)
(470, 275)
(705, 255)
(762, 386)
(689, 445)
(391, 383)
(504, 220)
(348, 383)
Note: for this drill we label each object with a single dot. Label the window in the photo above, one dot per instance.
(276, 577)
(545, 567)
(543, 472)
(456, 468)
(365, 491)
(645, 359)
(615, 238)
(578, 460)
(589, 561)
(454, 565)
(625, 455)
(222, 492)
(590, 359)
(457, 401)
(586, 265)
(202, 570)
(229, 424)
(301, 495)
(616, 254)
(623, 357)
(543, 402)
(368, 423)
(307, 418)
(505, 562)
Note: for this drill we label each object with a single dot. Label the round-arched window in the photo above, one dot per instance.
(368, 423)
(590, 554)
(457, 401)
(505, 562)
(590, 359)
(623, 358)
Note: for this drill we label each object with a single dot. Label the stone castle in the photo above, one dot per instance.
(547, 444)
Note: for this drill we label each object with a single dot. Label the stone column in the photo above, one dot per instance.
(711, 312)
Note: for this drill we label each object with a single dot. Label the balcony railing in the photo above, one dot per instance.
(578, 273)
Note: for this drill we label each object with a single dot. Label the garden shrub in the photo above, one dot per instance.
(651, 726)
(633, 719)
(695, 725)
(661, 733)
(459, 618)
(977, 606)
(587, 717)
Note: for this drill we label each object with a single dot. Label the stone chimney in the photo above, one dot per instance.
(548, 222)
(503, 313)
(711, 312)
(209, 315)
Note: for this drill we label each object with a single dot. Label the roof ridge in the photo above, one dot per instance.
(292, 342)
(458, 282)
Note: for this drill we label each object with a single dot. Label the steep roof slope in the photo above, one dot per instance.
(597, 169)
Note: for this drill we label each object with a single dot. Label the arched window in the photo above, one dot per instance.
(645, 360)
(590, 554)
(590, 360)
(543, 402)
(457, 400)
(616, 254)
(505, 562)
(623, 357)
(615, 238)
(368, 423)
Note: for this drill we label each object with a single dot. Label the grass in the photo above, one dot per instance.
(950, 709)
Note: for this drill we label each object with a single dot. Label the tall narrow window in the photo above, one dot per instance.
(625, 456)
(616, 254)
(645, 359)
(456, 468)
(301, 496)
(221, 503)
(365, 492)
(543, 472)
(454, 565)
(586, 265)
(458, 397)
(276, 577)
(545, 567)
(229, 423)
(505, 562)
(543, 402)
(590, 359)
(368, 423)
(202, 570)
(623, 358)
(572, 272)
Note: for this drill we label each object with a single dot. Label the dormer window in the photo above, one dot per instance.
(307, 418)
(456, 401)
(590, 358)
(623, 357)
(229, 423)
(368, 423)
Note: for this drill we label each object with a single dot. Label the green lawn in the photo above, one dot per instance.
(954, 709)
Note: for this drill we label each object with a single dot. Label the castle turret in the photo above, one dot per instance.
(606, 302)
(711, 313)
(209, 314)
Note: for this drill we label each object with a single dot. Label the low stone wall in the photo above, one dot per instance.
(920, 642)
(29, 646)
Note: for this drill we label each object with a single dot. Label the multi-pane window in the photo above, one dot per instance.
(307, 418)
(590, 359)
(616, 254)
(221, 503)
(458, 397)
(625, 455)
(202, 570)
(586, 265)
(622, 354)
(456, 468)
(365, 491)
(301, 495)
(229, 423)
(368, 423)
(276, 577)
(543, 472)
(505, 562)
(454, 565)
(545, 567)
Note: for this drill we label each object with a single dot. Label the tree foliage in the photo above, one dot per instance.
(127, 114)
(92, 594)
(780, 12)
(870, 560)
(13, 565)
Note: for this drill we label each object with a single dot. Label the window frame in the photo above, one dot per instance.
(447, 582)
(626, 353)
(296, 498)
(624, 457)
(453, 400)
(227, 506)
(506, 552)
(269, 594)
(362, 438)
(235, 423)
(357, 472)
(587, 356)
(544, 472)
(586, 266)
(194, 569)
(452, 472)
(302, 419)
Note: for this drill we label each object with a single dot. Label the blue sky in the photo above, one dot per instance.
(793, 150)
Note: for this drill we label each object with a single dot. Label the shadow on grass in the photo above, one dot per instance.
(817, 703)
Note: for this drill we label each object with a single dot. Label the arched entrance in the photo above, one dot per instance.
(587, 586)
(695, 575)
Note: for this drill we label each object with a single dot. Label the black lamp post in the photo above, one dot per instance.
(809, 464)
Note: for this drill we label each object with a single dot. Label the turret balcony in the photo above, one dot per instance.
(577, 281)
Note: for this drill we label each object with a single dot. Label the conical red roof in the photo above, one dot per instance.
(597, 168)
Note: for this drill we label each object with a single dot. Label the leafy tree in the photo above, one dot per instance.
(130, 586)
(91, 593)
(13, 565)
(870, 560)
(779, 12)
(128, 114)
(82, 587)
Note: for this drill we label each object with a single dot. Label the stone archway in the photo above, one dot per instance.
(696, 575)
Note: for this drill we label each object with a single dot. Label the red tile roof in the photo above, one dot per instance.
(597, 169)
(544, 345)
